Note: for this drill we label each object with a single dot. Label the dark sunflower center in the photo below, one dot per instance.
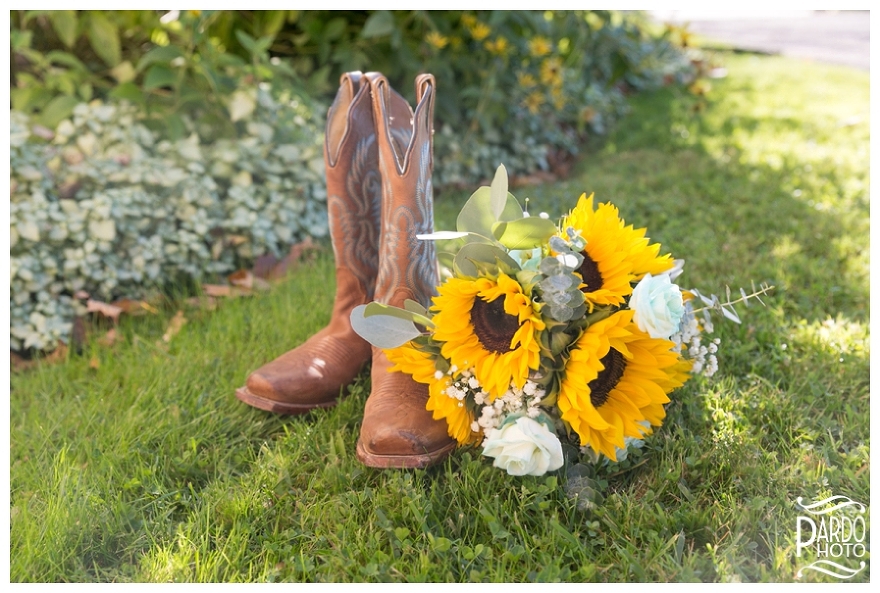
(589, 271)
(492, 326)
(602, 385)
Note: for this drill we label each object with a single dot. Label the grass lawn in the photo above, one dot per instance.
(137, 463)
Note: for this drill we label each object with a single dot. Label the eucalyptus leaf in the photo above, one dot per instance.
(382, 331)
(415, 307)
(730, 313)
(374, 308)
(558, 244)
(525, 233)
(498, 192)
(476, 216)
(469, 255)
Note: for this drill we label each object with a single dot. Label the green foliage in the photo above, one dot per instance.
(103, 204)
(171, 66)
(520, 87)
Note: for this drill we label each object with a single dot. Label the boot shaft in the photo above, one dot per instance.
(407, 265)
(354, 184)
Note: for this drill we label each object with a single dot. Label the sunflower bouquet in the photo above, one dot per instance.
(543, 334)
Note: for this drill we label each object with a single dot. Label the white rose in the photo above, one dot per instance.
(524, 447)
(657, 306)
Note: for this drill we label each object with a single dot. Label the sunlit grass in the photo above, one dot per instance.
(137, 463)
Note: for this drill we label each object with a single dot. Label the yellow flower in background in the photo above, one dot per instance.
(558, 97)
(534, 101)
(412, 361)
(551, 72)
(498, 47)
(436, 39)
(539, 46)
(480, 31)
(526, 80)
(491, 326)
(468, 20)
(616, 381)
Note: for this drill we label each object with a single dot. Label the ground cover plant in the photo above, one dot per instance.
(136, 462)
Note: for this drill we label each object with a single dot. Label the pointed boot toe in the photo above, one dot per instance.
(397, 431)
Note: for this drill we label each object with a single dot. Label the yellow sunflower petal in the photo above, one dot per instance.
(615, 256)
(641, 372)
(420, 365)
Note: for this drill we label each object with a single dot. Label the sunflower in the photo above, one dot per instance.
(412, 361)
(617, 377)
(615, 255)
(491, 326)
(644, 256)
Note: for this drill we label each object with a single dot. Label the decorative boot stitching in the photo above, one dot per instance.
(356, 218)
(417, 269)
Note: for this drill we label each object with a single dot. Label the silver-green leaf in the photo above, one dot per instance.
(525, 233)
(498, 192)
(383, 331)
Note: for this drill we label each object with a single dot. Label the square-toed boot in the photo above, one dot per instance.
(397, 430)
(314, 374)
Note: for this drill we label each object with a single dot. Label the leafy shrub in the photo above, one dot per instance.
(520, 87)
(107, 206)
(169, 65)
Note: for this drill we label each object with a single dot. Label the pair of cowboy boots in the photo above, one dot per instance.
(378, 156)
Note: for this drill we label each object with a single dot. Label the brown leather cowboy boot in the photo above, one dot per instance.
(397, 430)
(313, 374)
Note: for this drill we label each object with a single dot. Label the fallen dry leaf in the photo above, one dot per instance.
(174, 326)
(20, 363)
(134, 307)
(94, 363)
(105, 309)
(241, 278)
